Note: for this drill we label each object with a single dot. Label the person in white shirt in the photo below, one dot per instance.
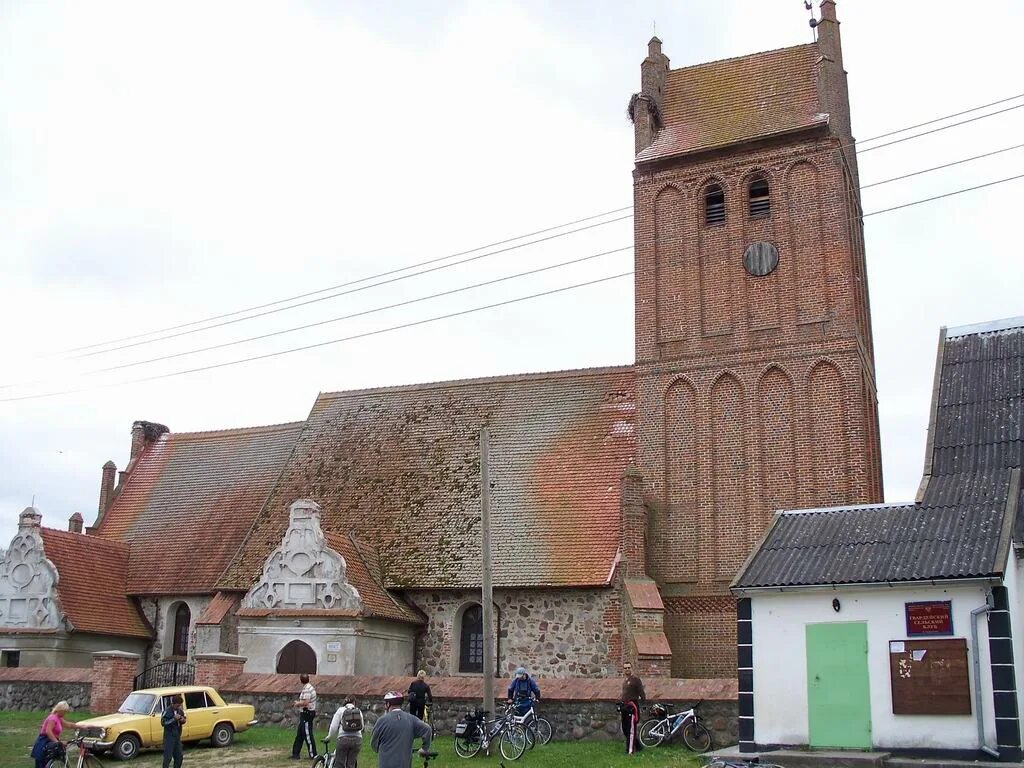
(347, 727)
(306, 704)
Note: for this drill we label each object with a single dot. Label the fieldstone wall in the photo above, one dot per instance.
(37, 689)
(570, 720)
(551, 632)
(578, 709)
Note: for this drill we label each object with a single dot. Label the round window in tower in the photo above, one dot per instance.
(760, 259)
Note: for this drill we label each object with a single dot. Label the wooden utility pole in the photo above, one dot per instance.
(485, 552)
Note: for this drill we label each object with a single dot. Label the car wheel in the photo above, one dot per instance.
(223, 734)
(126, 747)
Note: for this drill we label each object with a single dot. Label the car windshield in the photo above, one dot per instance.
(138, 704)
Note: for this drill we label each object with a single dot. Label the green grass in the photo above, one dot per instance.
(270, 746)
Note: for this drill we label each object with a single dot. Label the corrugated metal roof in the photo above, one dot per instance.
(400, 468)
(733, 100)
(963, 536)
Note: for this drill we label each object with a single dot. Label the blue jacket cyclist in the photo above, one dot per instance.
(523, 690)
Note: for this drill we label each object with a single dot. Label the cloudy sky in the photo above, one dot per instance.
(165, 163)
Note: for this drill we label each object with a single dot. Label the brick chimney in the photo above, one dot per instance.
(75, 523)
(106, 489)
(29, 518)
(645, 106)
(633, 525)
(144, 434)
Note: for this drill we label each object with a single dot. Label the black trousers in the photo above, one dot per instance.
(304, 734)
(172, 751)
(631, 726)
(416, 708)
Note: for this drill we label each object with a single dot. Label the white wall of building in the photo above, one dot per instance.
(780, 663)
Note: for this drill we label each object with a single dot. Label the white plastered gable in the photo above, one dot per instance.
(303, 573)
(28, 581)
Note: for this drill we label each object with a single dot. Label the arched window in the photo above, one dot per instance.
(759, 197)
(471, 640)
(296, 658)
(714, 204)
(182, 619)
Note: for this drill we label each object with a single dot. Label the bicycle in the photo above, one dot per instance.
(326, 758)
(738, 762)
(85, 758)
(538, 730)
(665, 724)
(475, 732)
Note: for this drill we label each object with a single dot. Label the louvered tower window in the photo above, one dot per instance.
(760, 199)
(714, 205)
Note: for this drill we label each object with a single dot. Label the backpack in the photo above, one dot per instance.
(351, 720)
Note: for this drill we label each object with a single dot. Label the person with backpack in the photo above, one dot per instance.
(522, 691)
(347, 727)
(419, 696)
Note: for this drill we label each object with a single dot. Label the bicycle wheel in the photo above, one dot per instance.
(542, 729)
(697, 737)
(466, 747)
(512, 742)
(320, 762)
(652, 733)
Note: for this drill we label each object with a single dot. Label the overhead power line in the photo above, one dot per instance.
(449, 315)
(367, 278)
(235, 313)
(939, 167)
(940, 128)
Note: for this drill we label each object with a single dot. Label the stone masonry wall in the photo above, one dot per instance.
(552, 632)
(578, 709)
(159, 611)
(33, 689)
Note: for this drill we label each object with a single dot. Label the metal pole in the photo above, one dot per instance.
(485, 552)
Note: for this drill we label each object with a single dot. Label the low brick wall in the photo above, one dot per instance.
(38, 688)
(578, 709)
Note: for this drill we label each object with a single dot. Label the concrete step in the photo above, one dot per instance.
(792, 758)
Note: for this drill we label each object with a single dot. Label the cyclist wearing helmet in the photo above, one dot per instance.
(394, 732)
(523, 690)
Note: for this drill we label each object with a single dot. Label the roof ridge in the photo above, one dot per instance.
(990, 326)
(214, 433)
(508, 377)
(742, 56)
(849, 508)
(92, 538)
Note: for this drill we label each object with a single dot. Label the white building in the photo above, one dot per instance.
(897, 627)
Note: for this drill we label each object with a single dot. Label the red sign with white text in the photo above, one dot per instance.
(931, 618)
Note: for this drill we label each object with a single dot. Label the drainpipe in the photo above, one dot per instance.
(976, 653)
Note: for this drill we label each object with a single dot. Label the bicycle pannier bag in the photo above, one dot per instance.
(351, 720)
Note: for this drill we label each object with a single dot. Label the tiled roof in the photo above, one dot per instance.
(189, 501)
(871, 544)
(377, 601)
(400, 468)
(734, 100)
(92, 573)
(218, 607)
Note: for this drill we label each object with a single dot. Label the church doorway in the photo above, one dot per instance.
(296, 658)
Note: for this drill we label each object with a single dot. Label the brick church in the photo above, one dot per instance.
(624, 499)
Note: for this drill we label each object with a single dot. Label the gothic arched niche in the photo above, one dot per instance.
(729, 472)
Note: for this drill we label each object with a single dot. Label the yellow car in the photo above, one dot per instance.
(137, 722)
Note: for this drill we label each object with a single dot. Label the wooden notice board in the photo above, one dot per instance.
(929, 677)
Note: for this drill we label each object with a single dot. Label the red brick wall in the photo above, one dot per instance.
(702, 633)
(754, 393)
(112, 676)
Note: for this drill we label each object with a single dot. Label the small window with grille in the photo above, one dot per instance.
(714, 205)
(759, 197)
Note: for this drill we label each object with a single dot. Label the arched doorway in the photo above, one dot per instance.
(296, 658)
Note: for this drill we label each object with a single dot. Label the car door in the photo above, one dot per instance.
(200, 716)
(156, 731)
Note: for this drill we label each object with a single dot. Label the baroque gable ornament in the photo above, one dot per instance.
(28, 581)
(303, 572)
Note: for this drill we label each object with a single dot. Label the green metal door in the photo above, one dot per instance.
(838, 700)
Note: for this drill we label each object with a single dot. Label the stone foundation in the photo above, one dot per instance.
(35, 689)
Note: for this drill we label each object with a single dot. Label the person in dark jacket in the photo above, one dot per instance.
(172, 719)
(419, 695)
(523, 691)
(632, 695)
